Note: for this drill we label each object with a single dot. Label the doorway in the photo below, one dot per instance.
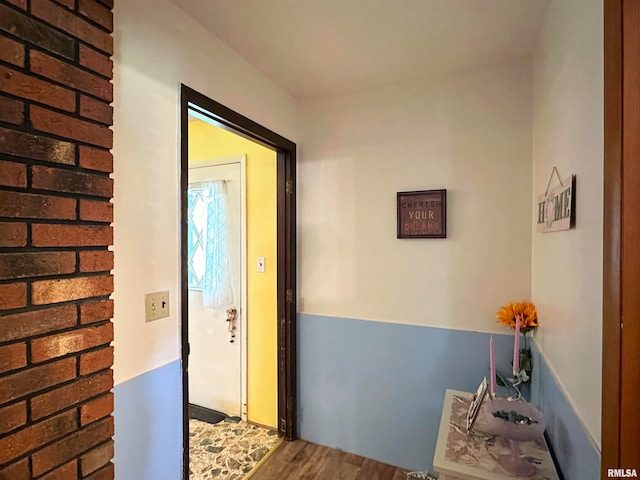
(285, 320)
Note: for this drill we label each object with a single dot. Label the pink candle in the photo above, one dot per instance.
(516, 348)
(492, 367)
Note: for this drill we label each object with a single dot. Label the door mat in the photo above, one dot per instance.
(206, 414)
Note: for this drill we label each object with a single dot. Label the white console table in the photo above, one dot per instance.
(474, 457)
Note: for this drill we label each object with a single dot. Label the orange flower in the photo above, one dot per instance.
(525, 310)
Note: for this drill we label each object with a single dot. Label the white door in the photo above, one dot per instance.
(215, 362)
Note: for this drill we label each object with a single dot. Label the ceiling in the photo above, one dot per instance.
(321, 48)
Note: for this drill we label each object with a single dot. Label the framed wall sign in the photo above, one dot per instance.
(422, 214)
(557, 205)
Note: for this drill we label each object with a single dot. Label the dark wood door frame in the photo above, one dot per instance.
(286, 252)
(621, 243)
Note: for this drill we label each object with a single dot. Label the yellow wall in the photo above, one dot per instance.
(207, 142)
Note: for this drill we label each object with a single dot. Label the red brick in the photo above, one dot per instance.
(16, 471)
(106, 473)
(96, 458)
(96, 409)
(95, 361)
(19, 3)
(36, 322)
(107, 3)
(71, 23)
(69, 127)
(68, 471)
(37, 434)
(54, 291)
(26, 145)
(31, 88)
(59, 180)
(50, 235)
(71, 394)
(71, 446)
(11, 110)
(96, 159)
(26, 28)
(13, 174)
(68, 3)
(96, 12)
(13, 295)
(91, 312)
(11, 52)
(35, 379)
(96, 110)
(96, 61)
(13, 356)
(91, 210)
(70, 75)
(96, 261)
(60, 344)
(13, 234)
(30, 205)
(12, 417)
(36, 264)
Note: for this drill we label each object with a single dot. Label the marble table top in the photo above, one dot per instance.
(474, 456)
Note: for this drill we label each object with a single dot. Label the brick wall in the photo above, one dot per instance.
(55, 215)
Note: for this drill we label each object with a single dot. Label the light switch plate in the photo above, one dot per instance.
(261, 264)
(156, 305)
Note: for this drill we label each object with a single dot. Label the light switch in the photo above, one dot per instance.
(261, 264)
(156, 305)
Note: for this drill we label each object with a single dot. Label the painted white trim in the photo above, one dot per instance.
(218, 161)
(243, 286)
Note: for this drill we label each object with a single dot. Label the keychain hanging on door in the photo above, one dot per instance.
(232, 317)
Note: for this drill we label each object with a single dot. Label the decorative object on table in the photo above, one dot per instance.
(477, 455)
(518, 421)
(557, 207)
(422, 214)
(523, 318)
(492, 368)
(477, 400)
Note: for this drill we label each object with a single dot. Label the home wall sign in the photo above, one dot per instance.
(557, 206)
(422, 214)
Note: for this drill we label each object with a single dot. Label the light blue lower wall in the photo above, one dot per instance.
(376, 389)
(370, 388)
(148, 425)
(576, 453)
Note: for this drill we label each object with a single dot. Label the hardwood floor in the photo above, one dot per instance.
(299, 460)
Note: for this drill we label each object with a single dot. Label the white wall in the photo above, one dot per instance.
(567, 266)
(468, 132)
(157, 48)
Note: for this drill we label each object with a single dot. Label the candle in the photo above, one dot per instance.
(516, 348)
(492, 367)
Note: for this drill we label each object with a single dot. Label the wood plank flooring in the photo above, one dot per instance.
(301, 460)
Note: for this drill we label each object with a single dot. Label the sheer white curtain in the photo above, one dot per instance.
(216, 289)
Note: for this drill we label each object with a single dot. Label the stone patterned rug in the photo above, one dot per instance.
(227, 450)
